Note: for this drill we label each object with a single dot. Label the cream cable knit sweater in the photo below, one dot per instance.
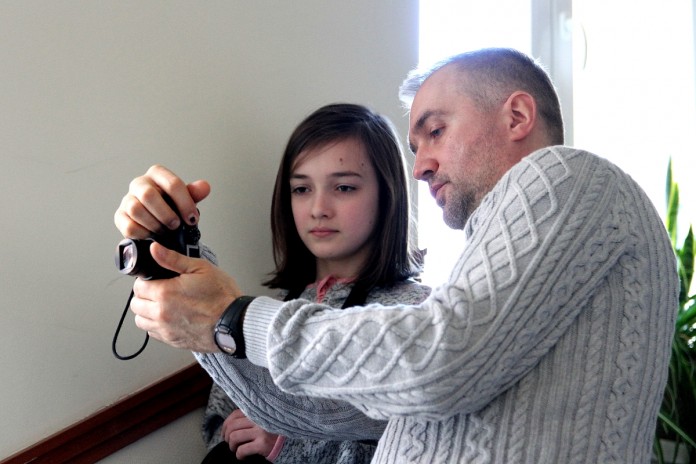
(325, 421)
(549, 344)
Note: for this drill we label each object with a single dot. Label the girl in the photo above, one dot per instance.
(340, 223)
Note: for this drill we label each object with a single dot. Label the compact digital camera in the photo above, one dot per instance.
(133, 255)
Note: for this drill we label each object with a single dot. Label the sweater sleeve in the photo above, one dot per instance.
(538, 246)
(295, 416)
(325, 452)
(216, 411)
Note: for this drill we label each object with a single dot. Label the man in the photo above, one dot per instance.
(549, 343)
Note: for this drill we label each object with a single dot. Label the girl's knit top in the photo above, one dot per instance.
(549, 343)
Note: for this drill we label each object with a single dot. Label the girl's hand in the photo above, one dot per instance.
(245, 437)
(143, 210)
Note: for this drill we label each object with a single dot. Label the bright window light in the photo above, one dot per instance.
(633, 98)
(634, 91)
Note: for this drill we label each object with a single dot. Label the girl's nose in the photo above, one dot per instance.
(321, 206)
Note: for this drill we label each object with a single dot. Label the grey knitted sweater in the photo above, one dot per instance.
(549, 344)
(318, 431)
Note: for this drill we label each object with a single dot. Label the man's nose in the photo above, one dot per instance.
(425, 166)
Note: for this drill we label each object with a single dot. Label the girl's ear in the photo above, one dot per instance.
(521, 114)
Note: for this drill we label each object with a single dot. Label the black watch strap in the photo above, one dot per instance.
(229, 334)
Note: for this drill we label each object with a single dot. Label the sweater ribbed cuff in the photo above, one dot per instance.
(257, 321)
(273, 455)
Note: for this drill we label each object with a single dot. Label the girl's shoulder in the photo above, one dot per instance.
(406, 291)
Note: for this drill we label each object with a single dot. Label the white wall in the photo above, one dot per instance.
(94, 92)
(176, 443)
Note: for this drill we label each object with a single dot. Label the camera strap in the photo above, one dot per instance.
(114, 350)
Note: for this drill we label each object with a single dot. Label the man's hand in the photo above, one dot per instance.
(143, 211)
(245, 437)
(183, 311)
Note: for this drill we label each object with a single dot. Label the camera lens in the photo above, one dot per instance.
(129, 256)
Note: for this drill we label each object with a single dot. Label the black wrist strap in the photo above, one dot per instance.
(232, 322)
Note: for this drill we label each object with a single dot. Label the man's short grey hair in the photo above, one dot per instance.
(490, 76)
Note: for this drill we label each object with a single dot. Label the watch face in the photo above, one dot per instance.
(226, 342)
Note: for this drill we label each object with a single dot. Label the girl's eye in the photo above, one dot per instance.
(345, 188)
(299, 190)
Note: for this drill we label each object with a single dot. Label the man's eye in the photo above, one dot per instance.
(436, 132)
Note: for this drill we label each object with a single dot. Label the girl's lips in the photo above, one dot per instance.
(322, 232)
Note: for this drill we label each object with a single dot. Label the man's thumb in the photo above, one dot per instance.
(169, 259)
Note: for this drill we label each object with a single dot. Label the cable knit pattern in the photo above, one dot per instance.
(549, 344)
(314, 426)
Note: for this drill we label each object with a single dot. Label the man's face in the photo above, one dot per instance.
(457, 145)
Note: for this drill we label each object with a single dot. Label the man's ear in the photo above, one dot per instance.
(521, 113)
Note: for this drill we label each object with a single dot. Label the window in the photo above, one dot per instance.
(635, 62)
(625, 74)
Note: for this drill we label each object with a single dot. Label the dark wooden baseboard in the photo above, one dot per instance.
(122, 423)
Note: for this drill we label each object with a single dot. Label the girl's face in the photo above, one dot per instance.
(334, 196)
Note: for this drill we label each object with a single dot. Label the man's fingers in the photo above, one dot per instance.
(144, 311)
(188, 306)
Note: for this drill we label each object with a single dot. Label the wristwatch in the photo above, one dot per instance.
(229, 336)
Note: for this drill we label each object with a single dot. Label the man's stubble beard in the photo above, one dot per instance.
(457, 211)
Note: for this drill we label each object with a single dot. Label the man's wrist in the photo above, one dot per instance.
(229, 330)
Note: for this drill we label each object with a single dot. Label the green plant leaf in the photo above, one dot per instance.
(672, 213)
(676, 420)
(687, 316)
(683, 435)
(668, 191)
(686, 266)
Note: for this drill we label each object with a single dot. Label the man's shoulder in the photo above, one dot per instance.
(560, 153)
(562, 164)
(569, 156)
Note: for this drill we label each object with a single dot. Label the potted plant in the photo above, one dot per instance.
(676, 424)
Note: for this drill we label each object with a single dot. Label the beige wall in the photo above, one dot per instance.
(91, 94)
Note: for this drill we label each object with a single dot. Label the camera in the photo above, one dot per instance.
(133, 255)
